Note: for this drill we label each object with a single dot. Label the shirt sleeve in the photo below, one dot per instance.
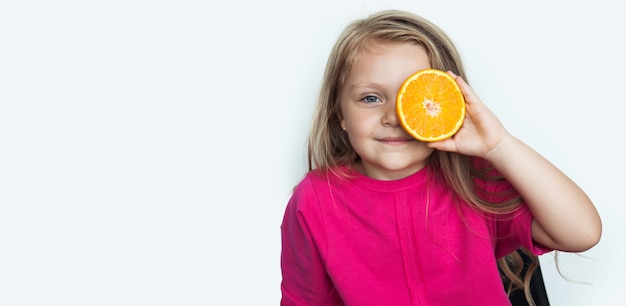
(304, 277)
(514, 230)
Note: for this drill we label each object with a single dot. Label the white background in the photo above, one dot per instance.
(148, 148)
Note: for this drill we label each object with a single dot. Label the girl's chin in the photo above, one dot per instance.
(390, 171)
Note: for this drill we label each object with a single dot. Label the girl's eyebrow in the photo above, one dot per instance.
(368, 85)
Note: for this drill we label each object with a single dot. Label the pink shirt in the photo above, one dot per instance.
(367, 242)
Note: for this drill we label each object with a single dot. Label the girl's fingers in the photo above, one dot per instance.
(466, 90)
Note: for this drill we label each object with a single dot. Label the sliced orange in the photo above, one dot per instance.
(430, 105)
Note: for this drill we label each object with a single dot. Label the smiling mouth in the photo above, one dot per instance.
(395, 141)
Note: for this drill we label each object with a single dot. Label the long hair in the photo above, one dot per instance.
(329, 146)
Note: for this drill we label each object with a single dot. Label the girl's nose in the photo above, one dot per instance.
(390, 117)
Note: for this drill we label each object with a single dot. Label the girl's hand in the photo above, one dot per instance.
(481, 133)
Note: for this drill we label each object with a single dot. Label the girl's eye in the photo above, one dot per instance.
(371, 99)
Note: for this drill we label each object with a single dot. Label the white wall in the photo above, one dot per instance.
(147, 148)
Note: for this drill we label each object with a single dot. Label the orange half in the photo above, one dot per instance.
(430, 105)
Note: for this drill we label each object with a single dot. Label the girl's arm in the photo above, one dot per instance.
(304, 277)
(564, 217)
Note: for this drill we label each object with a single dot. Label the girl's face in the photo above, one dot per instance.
(368, 110)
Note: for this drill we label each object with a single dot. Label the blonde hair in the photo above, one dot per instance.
(329, 146)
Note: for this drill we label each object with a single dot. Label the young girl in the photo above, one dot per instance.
(384, 219)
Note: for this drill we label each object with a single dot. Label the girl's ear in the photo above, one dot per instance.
(342, 122)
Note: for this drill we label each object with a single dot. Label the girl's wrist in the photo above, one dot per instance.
(501, 153)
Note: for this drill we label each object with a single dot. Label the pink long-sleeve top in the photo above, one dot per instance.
(362, 241)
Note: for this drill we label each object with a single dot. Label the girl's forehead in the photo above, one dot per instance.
(386, 64)
(373, 46)
(385, 48)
